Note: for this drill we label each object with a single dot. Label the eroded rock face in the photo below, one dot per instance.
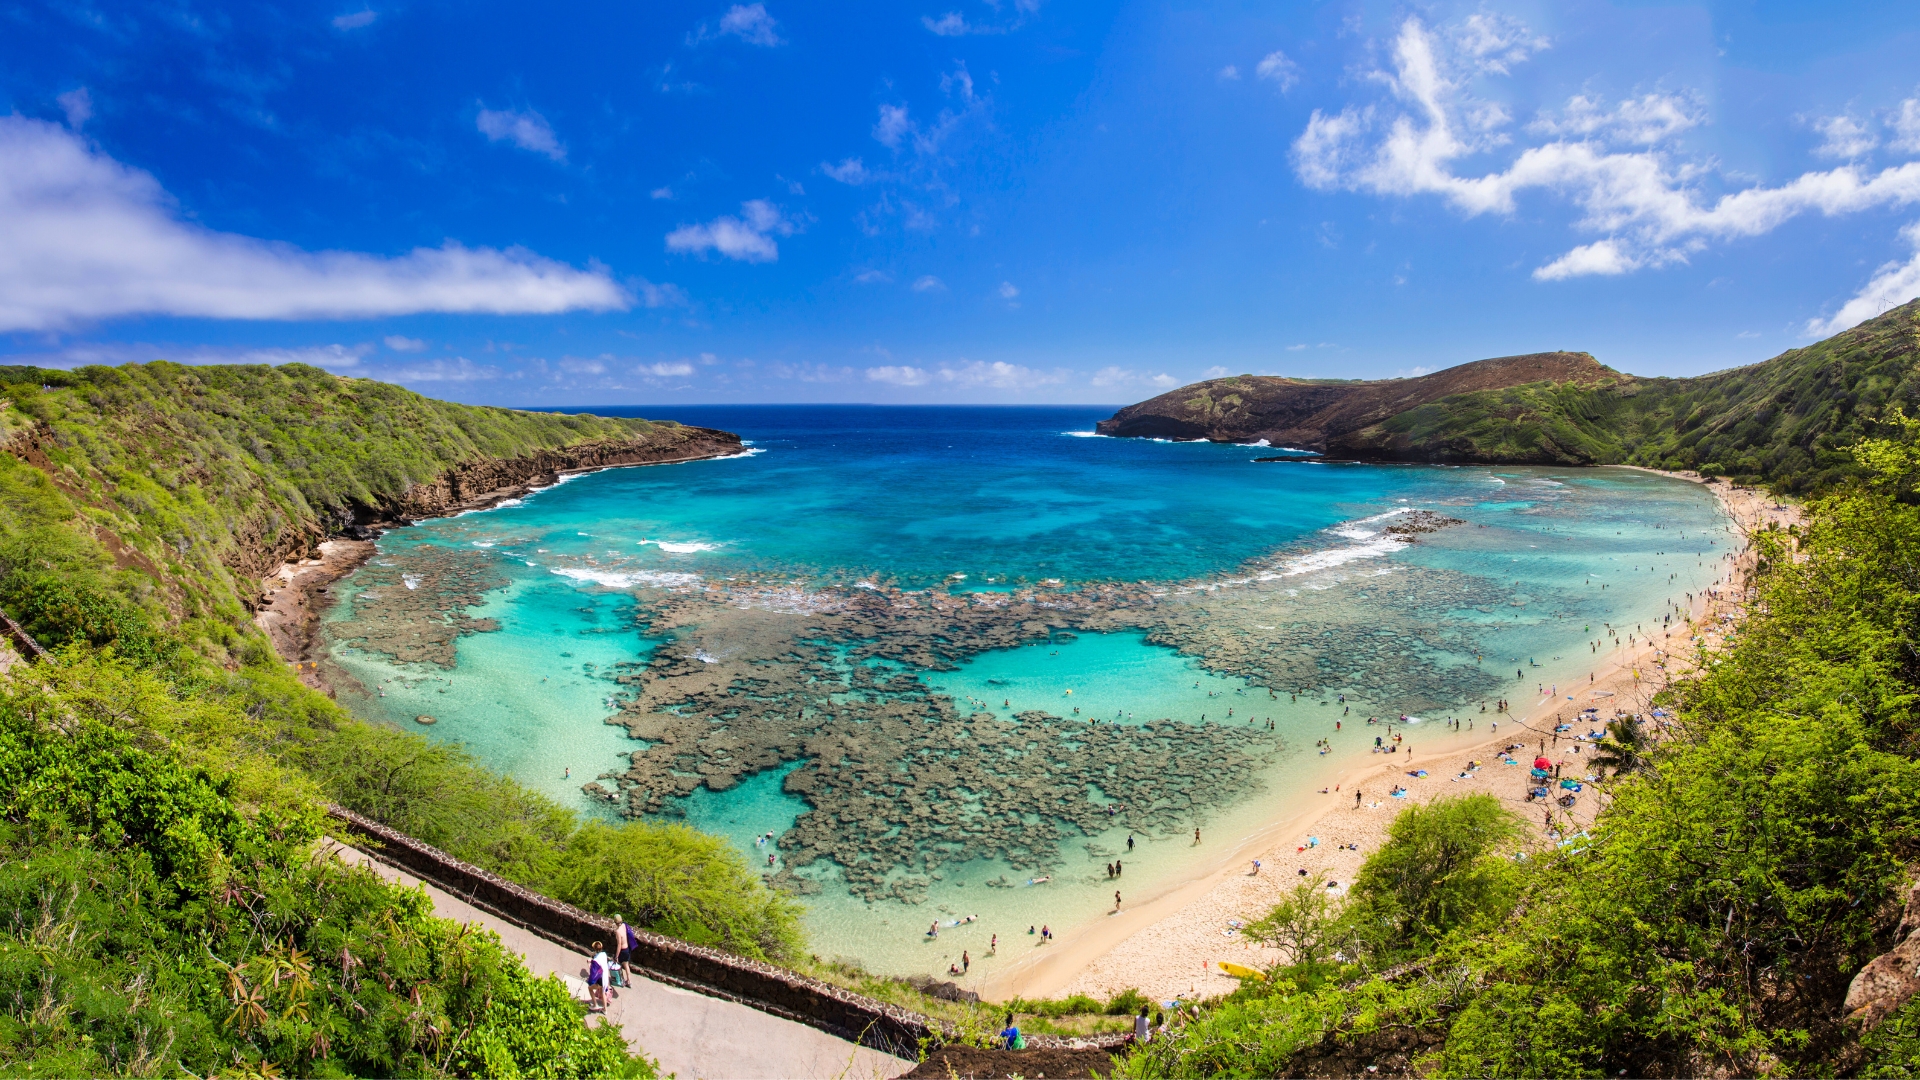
(479, 483)
(1891, 979)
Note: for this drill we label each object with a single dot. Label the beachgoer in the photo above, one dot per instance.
(1029, 928)
(1116, 899)
(1046, 932)
(1196, 836)
(1256, 868)
(1142, 1030)
(620, 948)
(597, 979)
(1118, 868)
(994, 945)
(1356, 798)
(1129, 841)
(934, 930)
(1010, 1036)
(966, 961)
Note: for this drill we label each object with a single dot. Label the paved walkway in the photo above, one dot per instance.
(692, 1036)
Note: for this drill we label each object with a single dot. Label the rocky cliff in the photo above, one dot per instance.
(480, 483)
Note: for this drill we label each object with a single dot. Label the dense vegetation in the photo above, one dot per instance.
(172, 767)
(1747, 863)
(189, 473)
(164, 914)
(1787, 422)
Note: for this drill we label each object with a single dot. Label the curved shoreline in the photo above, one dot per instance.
(1162, 941)
(293, 597)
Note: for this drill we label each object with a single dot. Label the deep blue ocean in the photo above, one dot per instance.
(965, 499)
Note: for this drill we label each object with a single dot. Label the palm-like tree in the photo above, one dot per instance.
(1623, 749)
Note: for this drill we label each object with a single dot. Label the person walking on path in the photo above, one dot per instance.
(597, 979)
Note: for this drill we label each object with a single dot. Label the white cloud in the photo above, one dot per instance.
(748, 237)
(404, 344)
(1600, 257)
(849, 171)
(1276, 68)
(1493, 43)
(998, 375)
(574, 365)
(1844, 137)
(1649, 209)
(78, 105)
(355, 20)
(331, 357)
(1164, 381)
(1215, 372)
(1007, 290)
(892, 126)
(1906, 128)
(1639, 121)
(929, 283)
(458, 370)
(872, 277)
(1893, 284)
(899, 375)
(1229, 72)
(751, 24)
(660, 295)
(661, 193)
(527, 130)
(1295, 348)
(952, 24)
(85, 237)
(665, 370)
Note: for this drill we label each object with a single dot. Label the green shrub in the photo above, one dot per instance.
(681, 882)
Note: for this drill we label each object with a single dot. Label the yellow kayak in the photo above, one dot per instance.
(1241, 971)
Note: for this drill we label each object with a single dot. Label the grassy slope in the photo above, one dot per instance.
(193, 473)
(1784, 422)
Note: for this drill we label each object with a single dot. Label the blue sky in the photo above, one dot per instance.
(955, 201)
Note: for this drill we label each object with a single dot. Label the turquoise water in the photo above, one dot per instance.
(1253, 581)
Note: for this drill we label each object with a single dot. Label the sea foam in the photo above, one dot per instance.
(680, 547)
(625, 579)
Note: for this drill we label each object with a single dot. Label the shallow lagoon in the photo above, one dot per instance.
(1249, 580)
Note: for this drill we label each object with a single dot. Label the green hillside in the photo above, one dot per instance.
(1753, 852)
(161, 780)
(195, 474)
(1785, 422)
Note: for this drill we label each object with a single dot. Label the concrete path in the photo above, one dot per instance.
(693, 1036)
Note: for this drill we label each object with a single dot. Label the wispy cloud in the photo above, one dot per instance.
(751, 24)
(84, 237)
(1844, 137)
(457, 370)
(398, 343)
(354, 20)
(665, 370)
(1277, 69)
(899, 375)
(78, 105)
(525, 129)
(1893, 284)
(748, 238)
(929, 283)
(661, 294)
(849, 171)
(1007, 290)
(1646, 204)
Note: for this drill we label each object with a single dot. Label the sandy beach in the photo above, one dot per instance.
(1167, 944)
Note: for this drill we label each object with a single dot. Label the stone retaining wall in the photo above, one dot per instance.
(767, 987)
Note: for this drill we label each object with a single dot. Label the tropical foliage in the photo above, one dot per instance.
(1710, 923)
